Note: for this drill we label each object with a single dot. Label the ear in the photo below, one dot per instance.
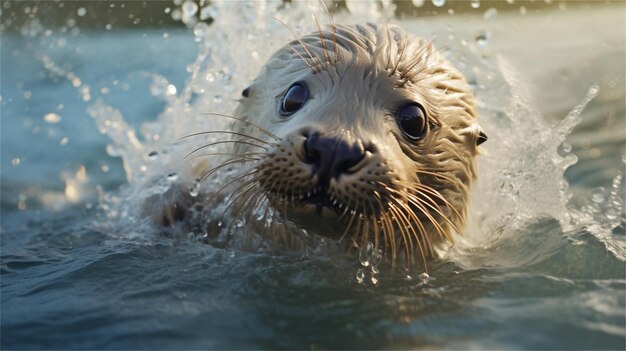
(246, 92)
(482, 137)
(474, 134)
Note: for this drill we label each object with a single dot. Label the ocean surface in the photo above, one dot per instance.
(87, 114)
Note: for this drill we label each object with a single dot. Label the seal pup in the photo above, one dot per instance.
(361, 133)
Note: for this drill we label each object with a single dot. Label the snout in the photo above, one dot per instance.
(333, 156)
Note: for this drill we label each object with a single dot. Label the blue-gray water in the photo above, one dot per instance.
(76, 276)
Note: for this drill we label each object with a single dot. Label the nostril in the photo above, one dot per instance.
(311, 148)
(331, 156)
(347, 157)
(371, 148)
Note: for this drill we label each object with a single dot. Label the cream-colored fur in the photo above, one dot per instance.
(357, 76)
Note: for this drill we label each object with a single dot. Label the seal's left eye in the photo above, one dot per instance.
(294, 99)
(412, 121)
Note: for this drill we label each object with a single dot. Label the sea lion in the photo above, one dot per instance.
(360, 133)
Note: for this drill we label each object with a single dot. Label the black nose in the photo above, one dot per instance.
(331, 156)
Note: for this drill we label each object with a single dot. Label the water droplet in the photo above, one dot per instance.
(15, 162)
(167, 10)
(439, 3)
(206, 13)
(510, 1)
(219, 223)
(598, 195)
(64, 141)
(522, 10)
(482, 39)
(418, 3)
(360, 275)
(424, 278)
(195, 189)
(475, 4)
(172, 177)
(566, 147)
(239, 223)
(177, 15)
(81, 11)
(158, 86)
(153, 155)
(200, 30)
(377, 256)
(611, 214)
(490, 14)
(374, 280)
(52, 118)
(170, 90)
(189, 8)
(365, 254)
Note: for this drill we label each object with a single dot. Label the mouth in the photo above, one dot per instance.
(319, 214)
(319, 204)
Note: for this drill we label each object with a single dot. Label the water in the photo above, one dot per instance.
(89, 115)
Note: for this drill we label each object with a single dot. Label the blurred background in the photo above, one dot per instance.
(97, 14)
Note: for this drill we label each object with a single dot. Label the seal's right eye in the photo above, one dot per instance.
(294, 99)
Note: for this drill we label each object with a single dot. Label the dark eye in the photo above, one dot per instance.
(412, 121)
(294, 98)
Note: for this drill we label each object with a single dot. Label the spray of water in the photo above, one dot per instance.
(521, 174)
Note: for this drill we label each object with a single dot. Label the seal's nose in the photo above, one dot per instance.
(331, 156)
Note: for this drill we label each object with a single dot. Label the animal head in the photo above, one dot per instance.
(368, 127)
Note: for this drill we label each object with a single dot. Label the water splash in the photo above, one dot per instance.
(522, 181)
(521, 173)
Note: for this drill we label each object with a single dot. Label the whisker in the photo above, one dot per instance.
(438, 195)
(235, 196)
(405, 238)
(319, 29)
(435, 207)
(304, 46)
(333, 30)
(239, 177)
(251, 156)
(225, 132)
(345, 232)
(400, 54)
(261, 129)
(217, 168)
(424, 236)
(418, 203)
(417, 187)
(389, 233)
(387, 240)
(417, 60)
(225, 142)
